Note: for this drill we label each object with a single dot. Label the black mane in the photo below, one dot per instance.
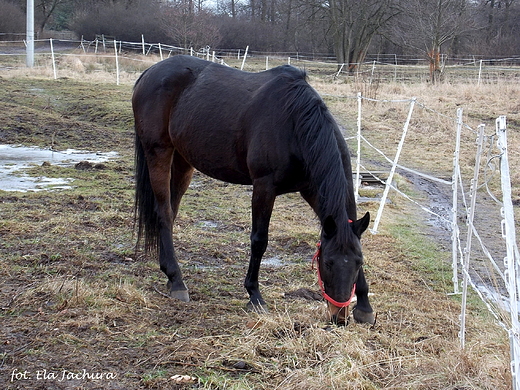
(316, 130)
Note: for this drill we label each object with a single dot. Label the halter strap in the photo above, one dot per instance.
(316, 260)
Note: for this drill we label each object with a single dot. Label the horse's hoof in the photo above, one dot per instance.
(363, 317)
(181, 295)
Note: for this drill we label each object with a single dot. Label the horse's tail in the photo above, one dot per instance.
(144, 207)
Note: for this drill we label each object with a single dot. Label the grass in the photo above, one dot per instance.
(75, 295)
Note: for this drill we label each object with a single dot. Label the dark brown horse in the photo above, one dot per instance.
(268, 129)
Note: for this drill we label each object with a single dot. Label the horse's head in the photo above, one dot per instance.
(339, 264)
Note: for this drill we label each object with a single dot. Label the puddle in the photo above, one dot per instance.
(15, 159)
(274, 262)
(207, 224)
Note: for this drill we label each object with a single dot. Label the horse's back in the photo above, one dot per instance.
(220, 119)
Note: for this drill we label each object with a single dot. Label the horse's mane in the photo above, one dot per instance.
(315, 129)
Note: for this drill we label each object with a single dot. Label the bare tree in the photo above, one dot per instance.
(188, 28)
(501, 20)
(353, 24)
(428, 26)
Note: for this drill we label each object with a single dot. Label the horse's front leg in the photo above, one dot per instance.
(363, 311)
(262, 207)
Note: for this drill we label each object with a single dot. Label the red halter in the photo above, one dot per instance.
(316, 260)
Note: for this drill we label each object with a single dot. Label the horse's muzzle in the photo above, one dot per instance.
(338, 315)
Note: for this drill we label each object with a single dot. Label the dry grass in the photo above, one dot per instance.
(74, 296)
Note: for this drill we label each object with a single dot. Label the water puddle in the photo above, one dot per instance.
(15, 159)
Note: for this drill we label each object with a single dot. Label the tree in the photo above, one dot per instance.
(430, 25)
(353, 24)
(189, 28)
(501, 19)
(46, 9)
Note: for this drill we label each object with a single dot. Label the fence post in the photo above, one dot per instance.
(53, 59)
(244, 60)
(467, 250)
(512, 257)
(395, 68)
(372, 73)
(160, 51)
(479, 73)
(142, 43)
(454, 210)
(394, 165)
(117, 62)
(358, 158)
(340, 69)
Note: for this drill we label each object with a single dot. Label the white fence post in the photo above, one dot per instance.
(53, 60)
(358, 158)
(454, 210)
(244, 60)
(467, 250)
(117, 62)
(512, 258)
(394, 165)
(340, 69)
(479, 72)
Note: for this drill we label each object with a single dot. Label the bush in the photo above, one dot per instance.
(124, 23)
(12, 20)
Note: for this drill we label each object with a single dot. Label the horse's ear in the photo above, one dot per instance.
(329, 226)
(359, 226)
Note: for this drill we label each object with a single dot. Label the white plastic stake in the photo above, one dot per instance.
(511, 261)
(244, 60)
(117, 62)
(358, 158)
(454, 210)
(394, 165)
(467, 250)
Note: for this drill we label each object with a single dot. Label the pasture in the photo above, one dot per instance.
(76, 299)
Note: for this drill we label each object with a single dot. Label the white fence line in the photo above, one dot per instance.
(495, 301)
(375, 68)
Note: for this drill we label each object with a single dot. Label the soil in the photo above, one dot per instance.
(81, 308)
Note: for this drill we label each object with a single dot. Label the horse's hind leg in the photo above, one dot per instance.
(181, 174)
(161, 168)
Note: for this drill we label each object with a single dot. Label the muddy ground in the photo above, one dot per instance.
(81, 309)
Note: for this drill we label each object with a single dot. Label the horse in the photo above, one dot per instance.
(270, 130)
